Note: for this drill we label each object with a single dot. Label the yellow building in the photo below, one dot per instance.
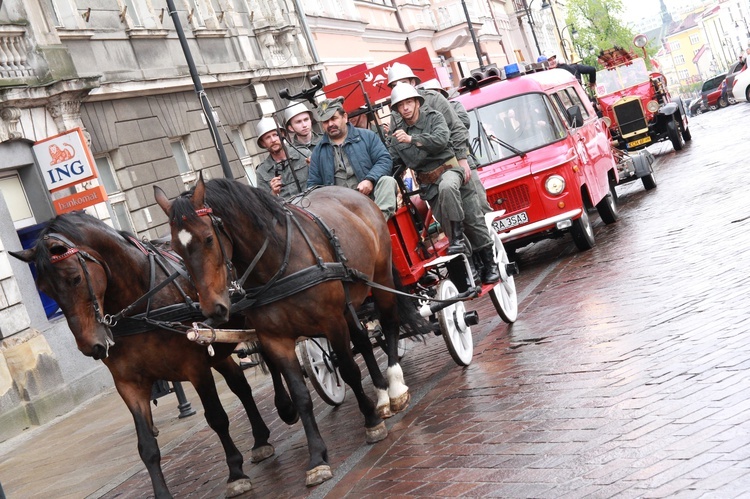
(684, 57)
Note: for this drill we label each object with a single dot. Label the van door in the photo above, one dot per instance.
(592, 143)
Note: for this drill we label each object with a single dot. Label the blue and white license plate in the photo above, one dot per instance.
(503, 224)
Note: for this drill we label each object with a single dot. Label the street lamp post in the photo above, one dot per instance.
(527, 10)
(546, 4)
(573, 32)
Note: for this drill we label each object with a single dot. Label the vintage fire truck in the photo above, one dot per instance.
(544, 155)
(636, 103)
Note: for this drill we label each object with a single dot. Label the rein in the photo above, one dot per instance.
(121, 323)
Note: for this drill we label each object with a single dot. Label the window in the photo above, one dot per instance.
(694, 39)
(675, 45)
(679, 59)
(132, 12)
(683, 74)
(238, 141)
(118, 209)
(181, 156)
(18, 203)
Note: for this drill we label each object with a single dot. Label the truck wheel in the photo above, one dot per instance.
(607, 207)
(674, 134)
(649, 181)
(582, 231)
(686, 135)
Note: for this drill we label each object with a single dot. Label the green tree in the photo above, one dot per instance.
(599, 27)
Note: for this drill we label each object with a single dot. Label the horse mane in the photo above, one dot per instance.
(228, 198)
(69, 225)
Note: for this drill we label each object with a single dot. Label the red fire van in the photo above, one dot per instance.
(544, 156)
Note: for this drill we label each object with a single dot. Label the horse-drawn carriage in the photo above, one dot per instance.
(344, 255)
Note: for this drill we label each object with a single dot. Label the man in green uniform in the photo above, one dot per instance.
(420, 139)
(299, 121)
(284, 172)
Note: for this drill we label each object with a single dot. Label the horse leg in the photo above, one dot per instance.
(138, 399)
(283, 402)
(237, 382)
(398, 392)
(218, 420)
(282, 357)
(362, 342)
(374, 426)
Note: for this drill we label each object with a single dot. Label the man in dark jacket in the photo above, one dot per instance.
(352, 157)
(575, 69)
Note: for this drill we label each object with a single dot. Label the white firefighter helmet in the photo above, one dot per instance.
(403, 91)
(434, 84)
(400, 71)
(294, 110)
(264, 126)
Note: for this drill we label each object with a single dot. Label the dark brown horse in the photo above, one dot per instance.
(94, 272)
(270, 242)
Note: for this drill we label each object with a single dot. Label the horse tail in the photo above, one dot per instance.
(409, 317)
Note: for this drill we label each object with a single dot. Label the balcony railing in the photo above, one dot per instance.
(14, 52)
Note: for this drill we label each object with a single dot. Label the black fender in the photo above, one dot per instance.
(669, 109)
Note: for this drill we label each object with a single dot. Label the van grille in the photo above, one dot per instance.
(630, 117)
(511, 200)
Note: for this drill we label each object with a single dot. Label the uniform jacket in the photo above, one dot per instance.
(298, 162)
(431, 132)
(367, 154)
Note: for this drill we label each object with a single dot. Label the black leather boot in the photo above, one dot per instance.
(456, 237)
(490, 272)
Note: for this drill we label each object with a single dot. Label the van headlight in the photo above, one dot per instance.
(652, 106)
(554, 185)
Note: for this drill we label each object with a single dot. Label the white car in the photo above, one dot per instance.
(741, 86)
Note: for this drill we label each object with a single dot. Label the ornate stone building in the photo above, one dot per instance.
(116, 69)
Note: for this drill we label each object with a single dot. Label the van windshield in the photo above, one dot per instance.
(512, 127)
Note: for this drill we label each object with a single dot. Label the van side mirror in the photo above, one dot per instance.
(575, 118)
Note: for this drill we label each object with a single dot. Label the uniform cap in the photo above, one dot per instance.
(328, 108)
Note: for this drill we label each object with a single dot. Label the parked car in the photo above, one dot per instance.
(711, 92)
(734, 70)
(544, 155)
(741, 86)
(696, 107)
(636, 103)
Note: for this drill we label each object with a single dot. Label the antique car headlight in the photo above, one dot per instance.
(652, 106)
(554, 184)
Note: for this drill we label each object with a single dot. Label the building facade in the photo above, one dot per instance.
(116, 70)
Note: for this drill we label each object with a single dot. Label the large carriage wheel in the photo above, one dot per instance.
(317, 360)
(456, 333)
(503, 294)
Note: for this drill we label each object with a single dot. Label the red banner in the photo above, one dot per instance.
(80, 200)
(374, 81)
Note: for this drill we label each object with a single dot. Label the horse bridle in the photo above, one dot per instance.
(82, 256)
(235, 285)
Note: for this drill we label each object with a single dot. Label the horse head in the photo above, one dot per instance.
(76, 278)
(205, 248)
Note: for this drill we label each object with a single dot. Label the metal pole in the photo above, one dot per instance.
(530, 20)
(208, 111)
(557, 27)
(308, 35)
(473, 35)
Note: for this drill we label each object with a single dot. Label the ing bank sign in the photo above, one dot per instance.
(65, 161)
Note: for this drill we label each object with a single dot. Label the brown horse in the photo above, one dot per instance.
(93, 272)
(272, 243)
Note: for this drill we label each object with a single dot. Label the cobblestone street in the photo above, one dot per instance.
(625, 375)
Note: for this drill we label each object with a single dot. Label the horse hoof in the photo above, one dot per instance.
(401, 402)
(262, 453)
(238, 487)
(376, 433)
(384, 411)
(318, 475)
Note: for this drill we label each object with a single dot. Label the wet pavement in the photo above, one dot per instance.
(626, 375)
